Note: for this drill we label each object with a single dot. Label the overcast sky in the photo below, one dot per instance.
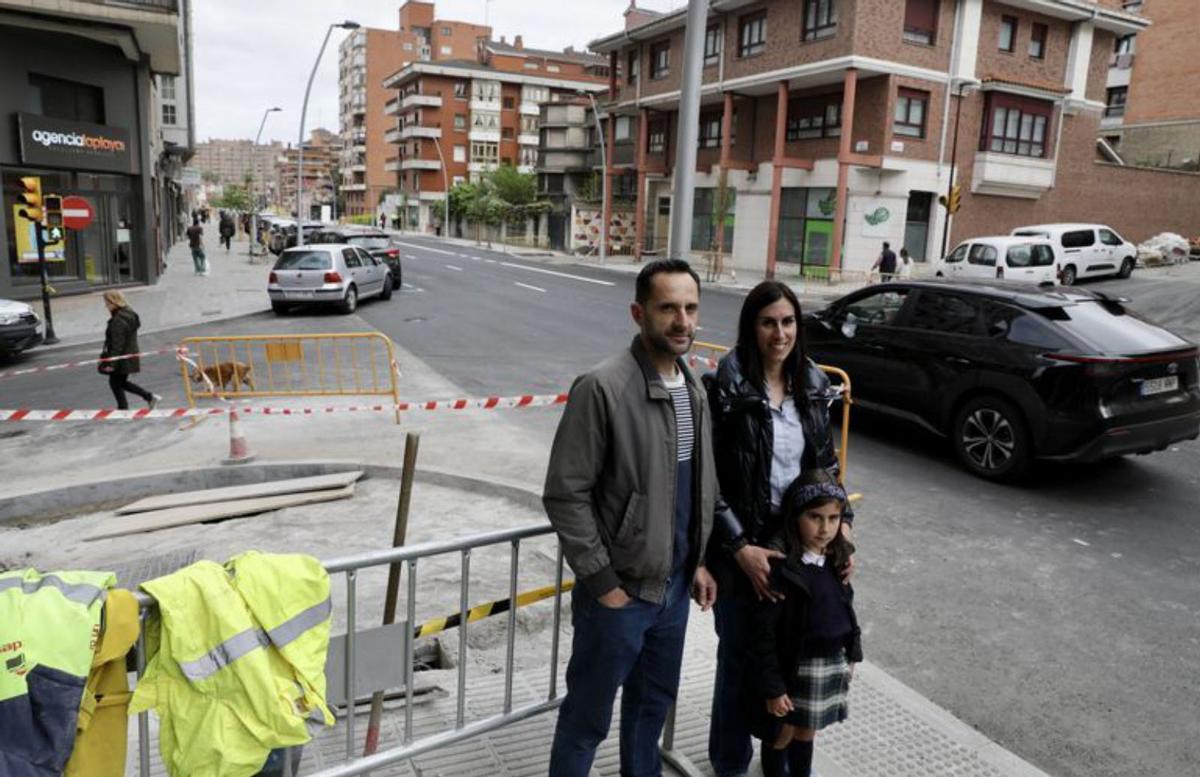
(251, 56)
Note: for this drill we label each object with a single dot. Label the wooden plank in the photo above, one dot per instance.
(248, 491)
(181, 516)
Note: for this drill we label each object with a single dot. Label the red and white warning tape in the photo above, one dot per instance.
(475, 403)
(178, 351)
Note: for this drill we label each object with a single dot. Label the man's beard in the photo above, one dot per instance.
(661, 342)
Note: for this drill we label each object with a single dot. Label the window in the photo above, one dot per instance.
(920, 21)
(62, 99)
(529, 125)
(509, 103)
(1110, 238)
(485, 152)
(982, 254)
(1124, 44)
(350, 256)
(1030, 255)
(485, 91)
(704, 218)
(535, 94)
(408, 45)
(660, 59)
(1037, 41)
(447, 32)
(916, 224)
(657, 138)
(712, 45)
(1021, 327)
(1018, 126)
(909, 119)
(633, 61)
(553, 69)
(1080, 238)
(820, 19)
(880, 308)
(460, 153)
(1008, 33)
(460, 121)
(506, 133)
(168, 87)
(814, 119)
(530, 65)
(752, 34)
(624, 129)
(958, 254)
(1114, 103)
(168, 115)
(946, 313)
(482, 120)
(446, 51)
(529, 156)
(710, 130)
(460, 90)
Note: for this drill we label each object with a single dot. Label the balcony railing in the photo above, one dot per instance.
(171, 6)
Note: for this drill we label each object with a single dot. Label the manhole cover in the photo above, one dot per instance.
(133, 572)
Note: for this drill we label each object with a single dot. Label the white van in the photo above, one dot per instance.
(1031, 260)
(1086, 250)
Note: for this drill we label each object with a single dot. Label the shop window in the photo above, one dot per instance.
(1008, 33)
(806, 225)
(1037, 41)
(815, 119)
(911, 108)
(820, 19)
(1114, 103)
(660, 59)
(712, 45)
(752, 34)
(705, 217)
(62, 99)
(1017, 126)
(920, 21)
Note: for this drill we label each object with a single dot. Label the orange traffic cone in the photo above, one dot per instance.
(239, 451)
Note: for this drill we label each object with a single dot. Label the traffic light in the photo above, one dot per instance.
(30, 198)
(52, 208)
(954, 201)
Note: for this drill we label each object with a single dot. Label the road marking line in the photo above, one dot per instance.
(452, 267)
(490, 261)
(1081, 542)
(559, 274)
(527, 286)
(427, 248)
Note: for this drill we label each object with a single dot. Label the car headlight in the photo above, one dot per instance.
(7, 319)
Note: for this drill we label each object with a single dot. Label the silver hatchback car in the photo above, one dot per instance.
(336, 274)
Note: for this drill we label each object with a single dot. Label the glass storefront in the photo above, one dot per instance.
(104, 254)
(806, 226)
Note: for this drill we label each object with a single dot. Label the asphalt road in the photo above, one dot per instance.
(1059, 617)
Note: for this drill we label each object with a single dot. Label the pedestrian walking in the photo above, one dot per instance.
(226, 229)
(630, 490)
(904, 266)
(195, 236)
(383, 221)
(120, 339)
(885, 264)
(804, 646)
(770, 408)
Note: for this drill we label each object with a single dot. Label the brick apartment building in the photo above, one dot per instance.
(1152, 113)
(834, 123)
(321, 155)
(230, 161)
(367, 57)
(476, 113)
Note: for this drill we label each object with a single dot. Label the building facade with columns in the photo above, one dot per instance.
(830, 126)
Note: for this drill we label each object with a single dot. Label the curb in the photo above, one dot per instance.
(63, 345)
(60, 503)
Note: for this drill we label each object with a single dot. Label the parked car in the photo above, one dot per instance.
(283, 235)
(1012, 373)
(377, 243)
(20, 327)
(326, 274)
(1025, 259)
(1086, 250)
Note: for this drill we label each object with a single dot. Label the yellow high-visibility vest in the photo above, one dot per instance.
(227, 686)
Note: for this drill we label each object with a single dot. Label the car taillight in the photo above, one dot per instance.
(273, 278)
(1115, 365)
(333, 277)
(393, 252)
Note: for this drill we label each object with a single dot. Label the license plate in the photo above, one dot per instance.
(1159, 385)
(297, 295)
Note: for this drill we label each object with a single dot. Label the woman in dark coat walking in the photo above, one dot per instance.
(770, 409)
(120, 339)
(227, 229)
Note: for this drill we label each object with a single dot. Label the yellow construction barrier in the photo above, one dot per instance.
(714, 352)
(288, 365)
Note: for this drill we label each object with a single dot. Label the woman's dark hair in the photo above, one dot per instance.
(840, 549)
(795, 366)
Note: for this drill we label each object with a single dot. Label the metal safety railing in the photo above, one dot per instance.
(288, 365)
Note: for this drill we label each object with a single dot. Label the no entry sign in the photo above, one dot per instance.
(77, 213)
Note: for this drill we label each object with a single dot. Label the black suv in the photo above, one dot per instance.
(1011, 373)
(378, 244)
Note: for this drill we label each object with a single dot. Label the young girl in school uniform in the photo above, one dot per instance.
(804, 647)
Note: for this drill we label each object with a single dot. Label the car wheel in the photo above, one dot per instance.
(279, 308)
(991, 439)
(1068, 275)
(350, 301)
(1126, 268)
(388, 285)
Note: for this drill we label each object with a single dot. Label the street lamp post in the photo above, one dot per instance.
(962, 90)
(346, 25)
(445, 185)
(603, 176)
(682, 203)
(254, 182)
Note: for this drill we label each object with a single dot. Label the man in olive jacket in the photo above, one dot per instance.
(630, 491)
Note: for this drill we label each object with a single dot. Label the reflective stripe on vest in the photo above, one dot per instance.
(80, 593)
(244, 642)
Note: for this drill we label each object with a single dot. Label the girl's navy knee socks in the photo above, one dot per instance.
(773, 761)
(799, 758)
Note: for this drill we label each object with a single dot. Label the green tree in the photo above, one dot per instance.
(235, 197)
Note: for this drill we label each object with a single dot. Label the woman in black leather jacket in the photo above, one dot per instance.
(763, 387)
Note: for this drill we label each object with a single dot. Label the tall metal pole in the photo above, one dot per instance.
(346, 25)
(603, 178)
(953, 166)
(446, 186)
(689, 130)
(254, 182)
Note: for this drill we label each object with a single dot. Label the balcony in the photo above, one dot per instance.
(391, 107)
(528, 139)
(484, 136)
(392, 165)
(417, 131)
(420, 164)
(526, 169)
(354, 187)
(392, 135)
(481, 167)
(1008, 175)
(420, 100)
(530, 109)
(154, 23)
(478, 104)
(356, 168)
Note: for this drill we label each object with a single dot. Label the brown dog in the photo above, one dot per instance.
(224, 373)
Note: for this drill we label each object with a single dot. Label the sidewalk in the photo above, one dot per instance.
(233, 287)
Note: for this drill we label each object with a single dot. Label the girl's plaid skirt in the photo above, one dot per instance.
(819, 692)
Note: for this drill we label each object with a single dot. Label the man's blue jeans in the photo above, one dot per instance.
(639, 648)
